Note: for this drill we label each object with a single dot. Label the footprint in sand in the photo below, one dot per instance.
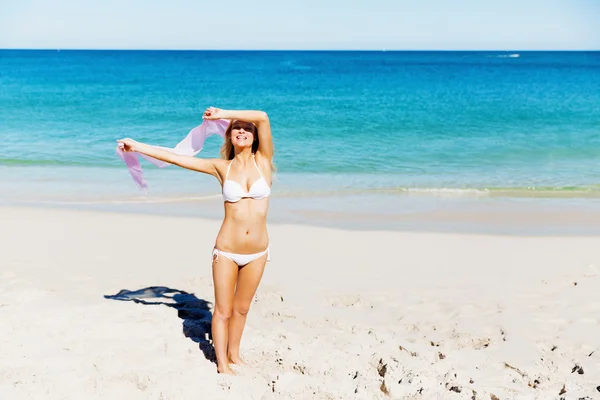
(467, 341)
(348, 300)
(300, 368)
(480, 343)
(268, 296)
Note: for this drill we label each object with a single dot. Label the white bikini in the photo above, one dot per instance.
(234, 192)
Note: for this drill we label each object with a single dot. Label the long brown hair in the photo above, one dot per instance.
(227, 150)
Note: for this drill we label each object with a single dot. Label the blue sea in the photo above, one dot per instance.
(366, 134)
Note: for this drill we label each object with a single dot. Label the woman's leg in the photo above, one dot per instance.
(225, 273)
(247, 282)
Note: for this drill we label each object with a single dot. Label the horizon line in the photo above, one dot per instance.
(292, 49)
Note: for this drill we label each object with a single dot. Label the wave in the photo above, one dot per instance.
(42, 163)
(589, 191)
(20, 162)
(145, 200)
(592, 191)
(513, 55)
(105, 200)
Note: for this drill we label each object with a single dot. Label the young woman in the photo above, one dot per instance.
(242, 245)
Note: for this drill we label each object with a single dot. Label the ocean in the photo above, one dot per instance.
(366, 134)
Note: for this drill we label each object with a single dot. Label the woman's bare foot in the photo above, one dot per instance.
(236, 360)
(225, 370)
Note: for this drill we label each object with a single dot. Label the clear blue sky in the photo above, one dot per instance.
(301, 24)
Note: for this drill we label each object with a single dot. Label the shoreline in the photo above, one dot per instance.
(315, 200)
(504, 217)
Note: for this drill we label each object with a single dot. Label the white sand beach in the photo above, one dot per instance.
(339, 315)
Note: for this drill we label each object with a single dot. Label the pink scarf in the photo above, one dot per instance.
(189, 146)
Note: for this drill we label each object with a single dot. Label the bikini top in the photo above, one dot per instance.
(234, 192)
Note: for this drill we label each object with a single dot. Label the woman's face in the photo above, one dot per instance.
(242, 134)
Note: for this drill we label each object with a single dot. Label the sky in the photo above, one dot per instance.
(301, 24)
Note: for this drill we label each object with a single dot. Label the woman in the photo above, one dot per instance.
(242, 245)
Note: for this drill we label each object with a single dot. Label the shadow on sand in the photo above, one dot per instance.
(194, 312)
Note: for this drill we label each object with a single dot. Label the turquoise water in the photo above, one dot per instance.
(509, 124)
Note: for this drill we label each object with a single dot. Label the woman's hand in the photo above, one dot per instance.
(127, 145)
(212, 113)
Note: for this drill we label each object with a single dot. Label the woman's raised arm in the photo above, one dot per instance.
(205, 165)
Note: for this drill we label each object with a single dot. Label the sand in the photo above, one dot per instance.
(101, 305)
